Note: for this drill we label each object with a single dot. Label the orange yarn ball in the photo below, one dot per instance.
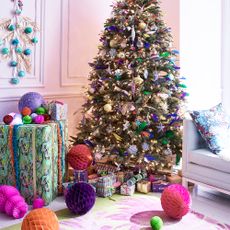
(80, 157)
(41, 218)
(26, 111)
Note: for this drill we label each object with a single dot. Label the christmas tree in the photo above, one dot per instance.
(133, 113)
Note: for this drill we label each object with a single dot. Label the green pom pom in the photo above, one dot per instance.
(182, 86)
(14, 81)
(28, 30)
(146, 93)
(165, 54)
(27, 119)
(21, 73)
(18, 50)
(140, 60)
(34, 40)
(164, 141)
(40, 110)
(5, 51)
(11, 27)
(156, 223)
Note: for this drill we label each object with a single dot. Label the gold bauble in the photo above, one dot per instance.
(113, 43)
(138, 80)
(121, 55)
(108, 108)
(142, 25)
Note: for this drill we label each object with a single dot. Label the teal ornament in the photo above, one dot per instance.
(15, 41)
(28, 30)
(27, 52)
(18, 11)
(156, 223)
(34, 40)
(21, 73)
(14, 81)
(11, 27)
(5, 51)
(18, 50)
(13, 63)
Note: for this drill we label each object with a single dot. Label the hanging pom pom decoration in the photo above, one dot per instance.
(18, 32)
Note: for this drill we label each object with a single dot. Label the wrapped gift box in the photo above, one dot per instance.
(128, 174)
(80, 175)
(36, 156)
(144, 186)
(57, 110)
(174, 179)
(105, 185)
(159, 187)
(127, 190)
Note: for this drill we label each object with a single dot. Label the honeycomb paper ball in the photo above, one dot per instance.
(176, 201)
(31, 100)
(7, 119)
(80, 157)
(39, 119)
(80, 198)
(41, 218)
(38, 203)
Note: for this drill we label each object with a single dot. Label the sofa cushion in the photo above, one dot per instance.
(206, 158)
(214, 127)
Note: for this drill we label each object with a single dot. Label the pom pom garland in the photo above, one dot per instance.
(80, 198)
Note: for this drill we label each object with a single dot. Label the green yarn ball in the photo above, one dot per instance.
(40, 110)
(156, 223)
(5, 51)
(28, 30)
(27, 119)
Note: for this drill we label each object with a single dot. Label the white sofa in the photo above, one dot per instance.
(200, 165)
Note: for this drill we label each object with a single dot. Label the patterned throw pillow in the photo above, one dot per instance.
(214, 127)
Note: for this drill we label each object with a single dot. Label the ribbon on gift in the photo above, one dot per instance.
(34, 161)
(144, 186)
(60, 190)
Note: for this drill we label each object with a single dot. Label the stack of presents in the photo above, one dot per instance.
(32, 155)
(107, 180)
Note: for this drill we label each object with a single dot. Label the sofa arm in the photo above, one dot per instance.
(192, 140)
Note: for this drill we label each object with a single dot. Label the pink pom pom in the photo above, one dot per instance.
(39, 119)
(38, 203)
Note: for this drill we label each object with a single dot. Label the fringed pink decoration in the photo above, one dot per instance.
(11, 202)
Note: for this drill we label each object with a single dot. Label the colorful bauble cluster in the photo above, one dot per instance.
(80, 157)
(32, 110)
(11, 202)
(42, 218)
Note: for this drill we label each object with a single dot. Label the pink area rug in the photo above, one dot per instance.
(134, 213)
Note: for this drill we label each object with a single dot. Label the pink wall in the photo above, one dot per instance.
(171, 10)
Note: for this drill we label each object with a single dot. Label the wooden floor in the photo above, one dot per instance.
(208, 202)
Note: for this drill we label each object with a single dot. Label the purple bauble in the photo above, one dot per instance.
(32, 100)
(80, 198)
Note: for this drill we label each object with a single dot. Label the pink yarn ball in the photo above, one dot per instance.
(6, 192)
(39, 119)
(38, 203)
(176, 201)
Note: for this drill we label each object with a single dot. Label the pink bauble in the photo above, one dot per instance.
(6, 191)
(39, 119)
(16, 207)
(38, 203)
(176, 201)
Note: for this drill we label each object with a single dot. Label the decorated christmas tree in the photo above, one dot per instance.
(133, 114)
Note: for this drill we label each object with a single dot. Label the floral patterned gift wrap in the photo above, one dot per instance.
(36, 153)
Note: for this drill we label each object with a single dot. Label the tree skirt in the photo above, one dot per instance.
(134, 213)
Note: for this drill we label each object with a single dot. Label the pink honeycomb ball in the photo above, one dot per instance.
(176, 201)
(39, 119)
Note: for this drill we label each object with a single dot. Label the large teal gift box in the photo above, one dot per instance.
(32, 158)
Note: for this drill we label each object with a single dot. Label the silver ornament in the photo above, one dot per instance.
(146, 74)
(145, 146)
(132, 150)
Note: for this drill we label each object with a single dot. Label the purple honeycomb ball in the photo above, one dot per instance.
(32, 100)
(80, 198)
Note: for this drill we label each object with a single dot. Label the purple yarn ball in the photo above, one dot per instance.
(80, 198)
(39, 119)
(32, 100)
